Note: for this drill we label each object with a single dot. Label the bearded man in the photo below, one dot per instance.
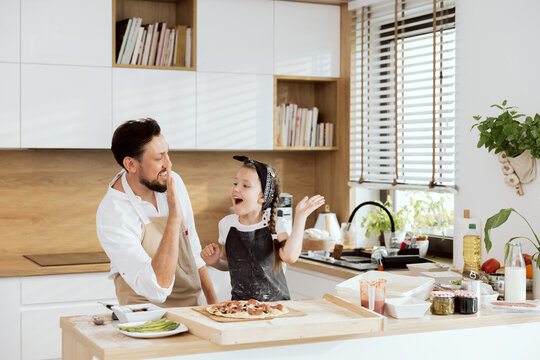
(145, 224)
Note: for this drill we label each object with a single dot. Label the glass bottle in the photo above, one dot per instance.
(472, 249)
(515, 279)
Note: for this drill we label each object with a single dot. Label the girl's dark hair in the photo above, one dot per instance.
(272, 221)
(130, 138)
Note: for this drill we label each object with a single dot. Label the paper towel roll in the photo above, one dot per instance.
(461, 227)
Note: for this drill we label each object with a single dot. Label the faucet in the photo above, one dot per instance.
(392, 225)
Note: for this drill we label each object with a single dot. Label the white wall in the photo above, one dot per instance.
(498, 56)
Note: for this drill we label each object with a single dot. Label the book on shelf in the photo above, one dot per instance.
(159, 50)
(147, 44)
(122, 31)
(188, 47)
(181, 43)
(153, 46)
(299, 127)
(132, 38)
(137, 48)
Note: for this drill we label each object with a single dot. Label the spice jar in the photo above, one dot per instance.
(466, 302)
(442, 303)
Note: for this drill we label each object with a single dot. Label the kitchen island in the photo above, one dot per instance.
(485, 334)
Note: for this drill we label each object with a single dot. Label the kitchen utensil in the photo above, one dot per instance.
(109, 306)
(328, 221)
(372, 293)
(497, 281)
(406, 307)
(138, 312)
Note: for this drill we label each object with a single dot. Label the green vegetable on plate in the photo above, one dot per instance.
(152, 326)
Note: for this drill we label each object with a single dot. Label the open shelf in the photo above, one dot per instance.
(307, 92)
(173, 12)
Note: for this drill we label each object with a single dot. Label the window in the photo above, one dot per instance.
(402, 98)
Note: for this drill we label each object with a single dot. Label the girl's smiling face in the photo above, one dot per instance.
(246, 194)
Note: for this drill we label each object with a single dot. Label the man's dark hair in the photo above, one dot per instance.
(130, 138)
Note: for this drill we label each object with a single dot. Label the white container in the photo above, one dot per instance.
(131, 313)
(396, 285)
(405, 307)
(419, 268)
(443, 277)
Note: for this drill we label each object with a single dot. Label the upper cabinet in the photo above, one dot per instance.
(235, 36)
(69, 32)
(9, 30)
(166, 96)
(307, 39)
(65, 107)
(234, 111)
(10, 105)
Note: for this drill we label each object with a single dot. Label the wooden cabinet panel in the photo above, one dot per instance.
(234, 111)
(10, 105)
(65, 288)
(10, 21)
(166, 96)
(307, 39)
(10, 332)
(65, 106)
(74, 32)
(235, 36)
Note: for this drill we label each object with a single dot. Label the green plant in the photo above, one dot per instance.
(377, 219)
(499, 219)
(506, 133)
(430, 216)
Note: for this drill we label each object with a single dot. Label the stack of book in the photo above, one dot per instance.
(152, 44)
(299, 127)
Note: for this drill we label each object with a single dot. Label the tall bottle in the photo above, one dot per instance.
(515, 279)
(472, 249)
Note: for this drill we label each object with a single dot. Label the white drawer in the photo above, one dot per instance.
(66, 288)
(303, 285)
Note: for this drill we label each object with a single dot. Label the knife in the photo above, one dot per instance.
(109, 306)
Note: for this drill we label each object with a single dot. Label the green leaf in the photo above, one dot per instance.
(477, 117)
(494, 222)
(497, 106)
(504, 103)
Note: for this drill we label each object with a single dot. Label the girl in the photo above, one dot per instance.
(250, 249)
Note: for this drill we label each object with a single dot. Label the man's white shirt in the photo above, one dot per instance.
(120, 230)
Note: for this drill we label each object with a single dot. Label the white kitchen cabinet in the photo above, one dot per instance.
(235, 36)
(306, 284)
(65, 106)
(221, 280)
(166, 96)
(10, 105)
(234, 111)
(72, 32)
(307, 39)
(10, 331)
(10, 30)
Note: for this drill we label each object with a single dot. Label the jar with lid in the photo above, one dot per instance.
(442, 303)
(515, 278)
(465, 302)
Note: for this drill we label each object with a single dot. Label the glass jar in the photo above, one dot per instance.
(515, 278)
(442, 303)
(465, 302)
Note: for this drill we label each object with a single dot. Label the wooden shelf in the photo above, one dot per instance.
(305, 148)
(173, 12)
(308, 92)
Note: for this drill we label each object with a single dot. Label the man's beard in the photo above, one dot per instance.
(153, 185)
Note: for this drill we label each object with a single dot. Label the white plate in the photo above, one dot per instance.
(178, 330)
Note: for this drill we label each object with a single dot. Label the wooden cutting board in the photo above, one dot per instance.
(329, 316)
(202, 310)
(96, 257)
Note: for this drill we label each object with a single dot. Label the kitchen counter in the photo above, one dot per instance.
(82, 340)
(18, 265)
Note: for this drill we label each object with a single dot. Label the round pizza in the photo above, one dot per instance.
(247, 309)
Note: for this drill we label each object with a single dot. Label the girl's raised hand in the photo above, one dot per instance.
(308, 205)
(210, 254)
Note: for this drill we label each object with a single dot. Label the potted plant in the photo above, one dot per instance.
(499, 219)
(517, 143)
(377, 221)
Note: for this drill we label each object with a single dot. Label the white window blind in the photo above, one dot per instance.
(402, 93)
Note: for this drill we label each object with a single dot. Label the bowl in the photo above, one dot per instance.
(406, 307)
(138, 312)
(419, 268)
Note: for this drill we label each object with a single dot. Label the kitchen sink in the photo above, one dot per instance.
(360, 259)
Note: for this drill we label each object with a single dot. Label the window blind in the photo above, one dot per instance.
(402, 93)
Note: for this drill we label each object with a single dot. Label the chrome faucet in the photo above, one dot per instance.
(392, 225)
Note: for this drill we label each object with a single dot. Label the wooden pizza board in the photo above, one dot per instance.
(202, 309)
(329, 316)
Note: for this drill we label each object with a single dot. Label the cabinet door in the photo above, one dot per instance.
(10, 105)
(73, 32)
(305, 284)
(10, 331)
(235, 36)
(166, 96)
(65, 107)
(10, 30)
(306, 39)
(234, 111)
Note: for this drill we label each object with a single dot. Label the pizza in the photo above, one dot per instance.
(247, 309)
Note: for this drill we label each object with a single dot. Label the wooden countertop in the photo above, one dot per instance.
(18, 265)
(81, 336)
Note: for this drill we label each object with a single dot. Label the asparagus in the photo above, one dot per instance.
(152, 326)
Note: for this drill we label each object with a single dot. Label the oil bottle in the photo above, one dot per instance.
(472, 246)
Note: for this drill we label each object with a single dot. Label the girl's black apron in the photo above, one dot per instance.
(250, 255)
